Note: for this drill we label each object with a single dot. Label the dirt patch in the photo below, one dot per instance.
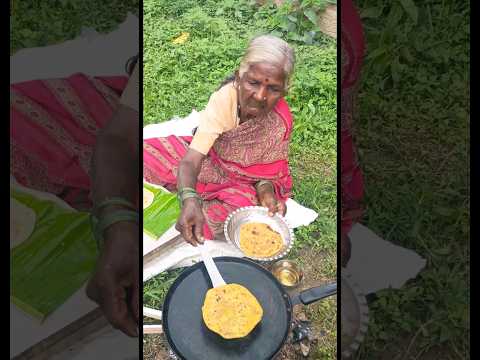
(155, 347)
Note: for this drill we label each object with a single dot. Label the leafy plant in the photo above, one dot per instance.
(413, 139)
(41, 23)
(298, 20)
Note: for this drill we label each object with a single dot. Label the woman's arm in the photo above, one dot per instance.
(115, 173)
(116, 156)
(189, 169)
(191, 220)
(115, 167)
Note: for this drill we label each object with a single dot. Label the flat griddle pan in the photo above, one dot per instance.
(190, 339)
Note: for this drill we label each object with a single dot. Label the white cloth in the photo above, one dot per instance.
(176, 126)
(92, 53)
(376, 264)
(185, 254)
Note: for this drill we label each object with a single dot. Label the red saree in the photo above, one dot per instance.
(254, 151)
(351, 176)
(53, 128)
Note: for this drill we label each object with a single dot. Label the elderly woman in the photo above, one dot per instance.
(238, 155)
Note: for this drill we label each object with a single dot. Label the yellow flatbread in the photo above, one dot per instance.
(147, 198)
(231, 311)
(259, 240)
(22, 222)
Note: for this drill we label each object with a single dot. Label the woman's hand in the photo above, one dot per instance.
(191, 221)
(115, 283)
(268, 199)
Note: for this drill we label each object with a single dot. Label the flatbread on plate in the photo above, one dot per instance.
(22, 222)
(148, 197)
(260, 240)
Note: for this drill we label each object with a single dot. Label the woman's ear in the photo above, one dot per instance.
(236, 81)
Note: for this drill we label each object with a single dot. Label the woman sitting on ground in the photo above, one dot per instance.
(238, 155)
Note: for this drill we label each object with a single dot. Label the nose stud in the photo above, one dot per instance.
(264, 98)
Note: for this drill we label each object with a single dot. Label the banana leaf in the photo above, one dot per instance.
(55, 261)
(161, 214)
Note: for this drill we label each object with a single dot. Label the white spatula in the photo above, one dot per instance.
(152, 328)
(212, 269)
(152, 313)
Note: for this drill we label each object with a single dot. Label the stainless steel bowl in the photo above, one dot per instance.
(354, 315)
(258, 214)
(288, 273)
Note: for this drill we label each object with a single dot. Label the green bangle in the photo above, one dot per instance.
(186, 189)
(185, 193)
(183, 197)
(114, 201)
(99, 226)
(190, 195)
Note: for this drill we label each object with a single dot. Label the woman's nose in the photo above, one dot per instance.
(261, 94)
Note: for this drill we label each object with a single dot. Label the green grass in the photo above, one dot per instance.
(40, 23)
(414, 147)
(179, 78)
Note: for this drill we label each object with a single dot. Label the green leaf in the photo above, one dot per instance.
(444, 211)
(445, 334)
(371, 13)
(55, 261)
(276, 33)
(424, 331)
(443, 251)
(394, 17)
(307, 39)
(161, 214)
(395, 69)
(295, 37)
(284, 24)
(383, 335)
(310, 14)
(376, 53)
(292, 18)
(411, 9)
(405, 52)
(291, 27)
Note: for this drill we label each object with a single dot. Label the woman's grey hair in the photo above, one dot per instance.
(272, 50)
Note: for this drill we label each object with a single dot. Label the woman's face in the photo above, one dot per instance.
(259, 89)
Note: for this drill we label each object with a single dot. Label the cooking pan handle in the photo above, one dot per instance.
(317, 293)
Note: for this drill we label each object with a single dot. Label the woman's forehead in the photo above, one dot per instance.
(274, 73)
